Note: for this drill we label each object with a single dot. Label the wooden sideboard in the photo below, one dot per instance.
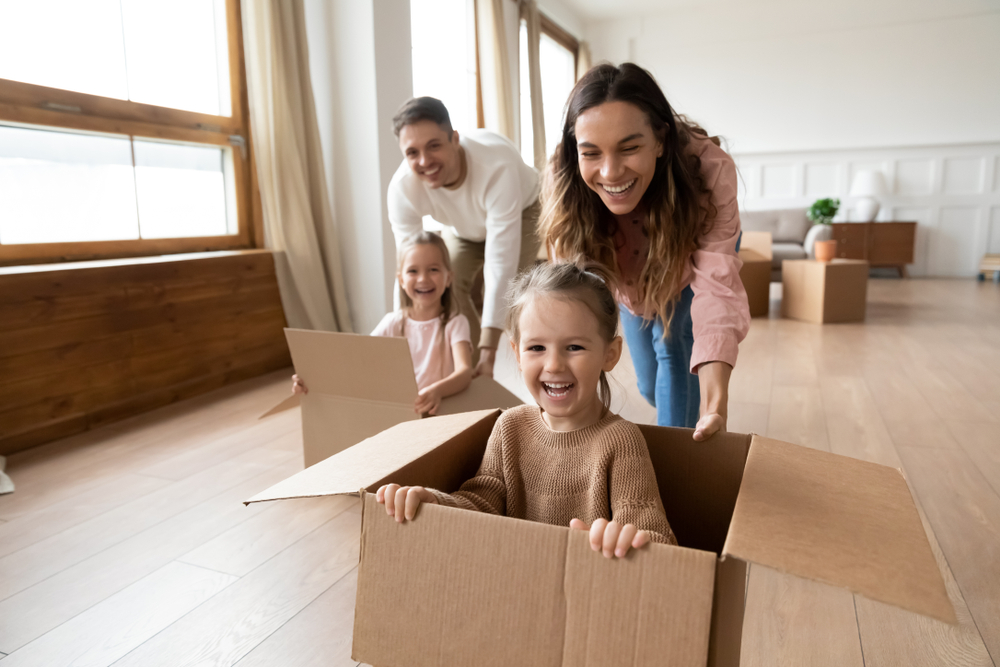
(881, 244)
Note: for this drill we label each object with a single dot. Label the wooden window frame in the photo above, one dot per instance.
(550, 28)
(563, 38)
(40, 106)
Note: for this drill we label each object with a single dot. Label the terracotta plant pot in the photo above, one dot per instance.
(825, 250)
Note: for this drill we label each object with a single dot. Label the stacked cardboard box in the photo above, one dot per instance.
(823, 292)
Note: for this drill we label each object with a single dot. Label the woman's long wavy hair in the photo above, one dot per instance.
(575, 224)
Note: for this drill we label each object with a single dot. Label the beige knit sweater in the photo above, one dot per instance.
(532, 472)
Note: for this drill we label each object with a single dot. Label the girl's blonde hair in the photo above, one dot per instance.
(568, 281)
(576, 226)
(449, 307)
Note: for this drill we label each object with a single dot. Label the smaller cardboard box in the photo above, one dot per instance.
(361, 385)
(455, 587)
(756, 254)
(822, 292)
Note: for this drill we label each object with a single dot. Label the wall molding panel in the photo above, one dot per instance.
(952, 191)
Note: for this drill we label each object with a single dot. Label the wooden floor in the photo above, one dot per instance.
(129, 545)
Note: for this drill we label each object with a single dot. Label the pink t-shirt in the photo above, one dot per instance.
(720, 315)
(432, 361)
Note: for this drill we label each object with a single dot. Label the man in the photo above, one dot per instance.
(486, 196)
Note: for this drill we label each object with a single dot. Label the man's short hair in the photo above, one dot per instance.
(417, 109)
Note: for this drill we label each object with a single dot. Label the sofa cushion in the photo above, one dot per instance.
(785, 224)
(780, 251)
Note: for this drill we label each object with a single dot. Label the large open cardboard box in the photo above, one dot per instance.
(757, 254)
(455, 587)
(361, 385)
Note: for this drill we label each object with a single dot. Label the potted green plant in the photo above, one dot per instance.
(818, 241)
(823, 210)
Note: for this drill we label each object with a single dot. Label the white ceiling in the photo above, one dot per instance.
(611, 9)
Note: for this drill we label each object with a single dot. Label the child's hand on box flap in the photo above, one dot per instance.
(403, 501)
(297, 386)
(612, 538)
(428, 401)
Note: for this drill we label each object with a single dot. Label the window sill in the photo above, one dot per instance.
(126, 261)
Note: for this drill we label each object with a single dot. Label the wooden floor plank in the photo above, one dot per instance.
(748, 417)
(795, 365)
(242, 548)
(792, 621)
(964, 512)
(226, 628)
(112, 628)
(796, 415)
(981, 442)
(318, 636)
(47, 604)
(894, 390)
(43, 559)
(32, 527)
(221, 449)
(68, 467)
(891, 636)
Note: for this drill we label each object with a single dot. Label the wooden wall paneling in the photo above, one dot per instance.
(88, 343)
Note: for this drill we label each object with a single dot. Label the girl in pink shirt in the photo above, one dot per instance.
(438, 335)
(648, 195)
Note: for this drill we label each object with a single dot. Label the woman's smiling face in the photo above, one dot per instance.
(617, 150)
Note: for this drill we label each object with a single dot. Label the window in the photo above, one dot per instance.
(442, 33)
(444, 56)
(123, 129)
(557, 53)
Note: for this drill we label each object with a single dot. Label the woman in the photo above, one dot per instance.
(650, 197)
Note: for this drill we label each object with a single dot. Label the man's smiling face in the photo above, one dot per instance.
(433, 155)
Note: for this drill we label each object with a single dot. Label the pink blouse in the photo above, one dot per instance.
(720, 316)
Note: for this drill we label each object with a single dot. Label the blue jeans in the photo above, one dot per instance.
(663, 367)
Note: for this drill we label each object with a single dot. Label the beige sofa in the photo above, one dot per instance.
(792, 232)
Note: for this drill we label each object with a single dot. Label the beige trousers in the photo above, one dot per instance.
(467, 259)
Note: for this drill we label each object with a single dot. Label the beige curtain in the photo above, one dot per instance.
(533, 20)
(494, 63)
(583, 63)
(298, 220)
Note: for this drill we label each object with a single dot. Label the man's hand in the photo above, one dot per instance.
(403, 501)
(612, 538)
(487, 357)
(297, 386)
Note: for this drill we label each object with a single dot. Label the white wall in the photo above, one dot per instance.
(800, 89)
(952, 191)
(359, 56)
(840, 74)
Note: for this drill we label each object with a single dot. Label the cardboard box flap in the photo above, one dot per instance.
(292, 401)
(434, 452)
(379, 368)
(455, 587)
(750, 255)
(837, 520)
(759, 242)
(484, 393)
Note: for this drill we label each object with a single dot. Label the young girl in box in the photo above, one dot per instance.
(437, 334)
(569, 460)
